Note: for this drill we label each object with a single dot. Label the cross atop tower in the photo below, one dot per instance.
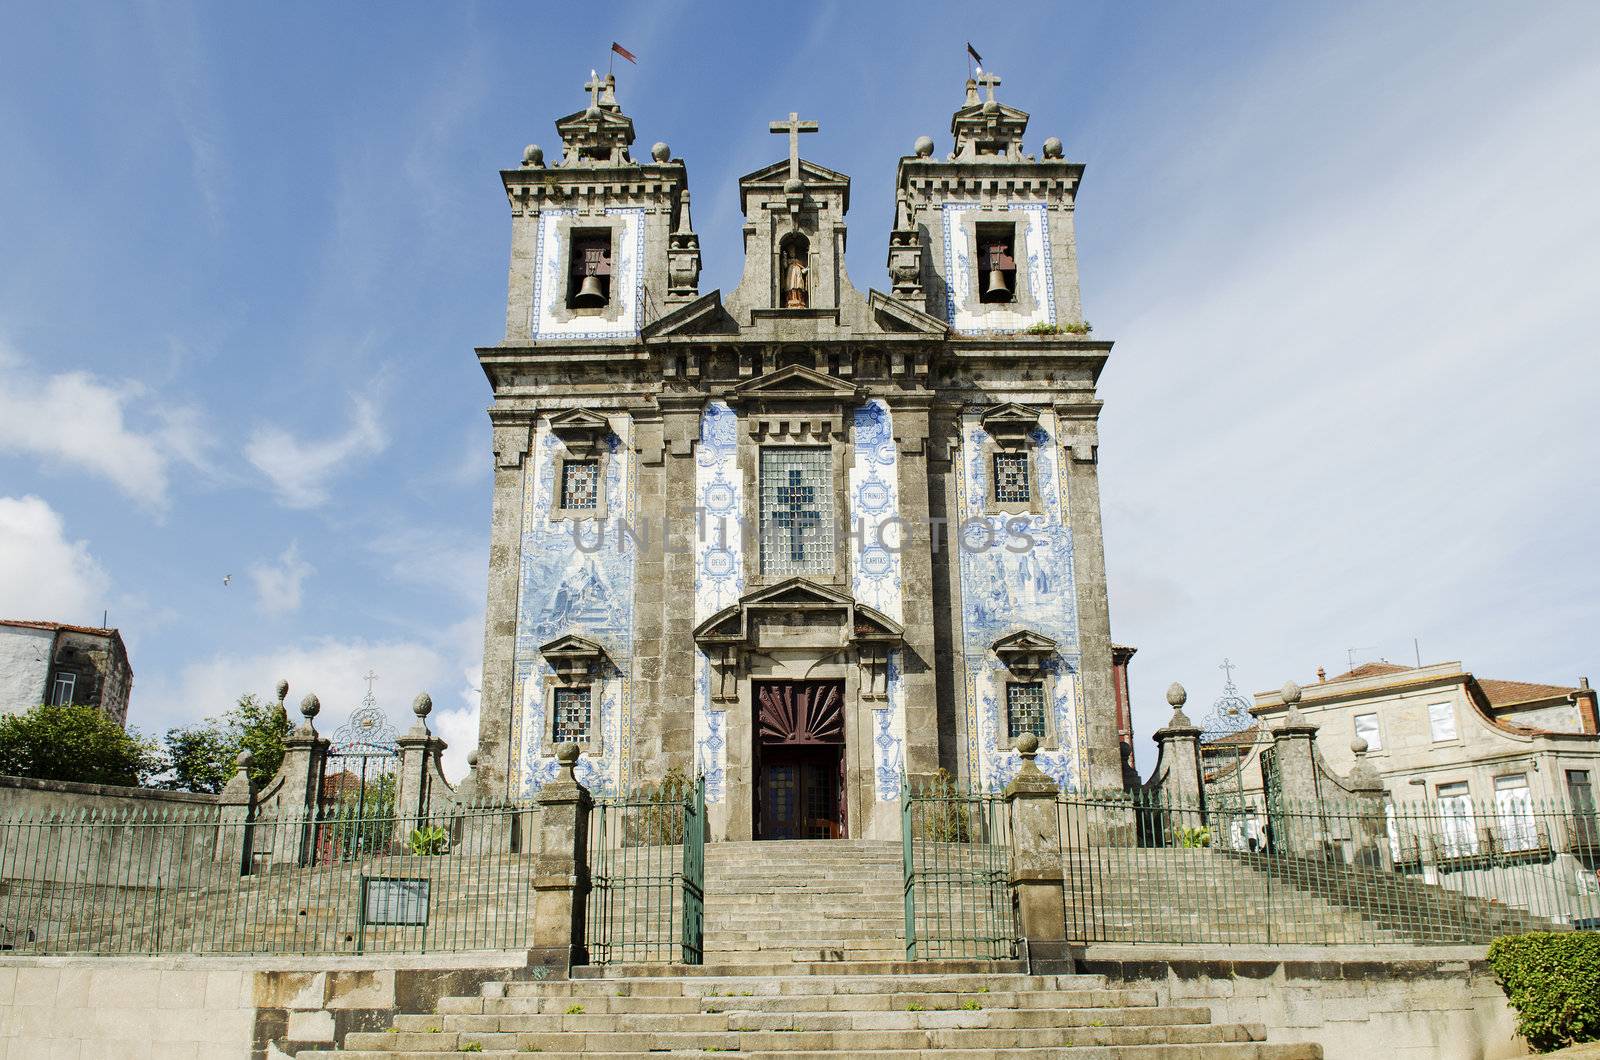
(988, 81)
(593, 87)
(794, 127)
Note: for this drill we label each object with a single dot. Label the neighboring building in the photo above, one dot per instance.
(882, 547)
(52, 662)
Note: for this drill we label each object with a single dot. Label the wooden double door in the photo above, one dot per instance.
(799, 760)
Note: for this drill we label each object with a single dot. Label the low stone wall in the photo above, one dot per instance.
(26, 797)
(1357, 1002)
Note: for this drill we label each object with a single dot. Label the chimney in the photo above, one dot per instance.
(1322, 675)
(1588, 713)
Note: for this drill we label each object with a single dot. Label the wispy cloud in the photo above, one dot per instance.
(278, 585)
(44, 573)
(185, 68)
(301, 471)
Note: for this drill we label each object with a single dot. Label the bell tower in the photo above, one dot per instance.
(984, 238)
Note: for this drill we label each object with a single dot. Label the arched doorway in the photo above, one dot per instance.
(799, 760)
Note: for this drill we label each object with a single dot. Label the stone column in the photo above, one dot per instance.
(910, 418)
(305, 754)
(1297, 826)
(234, 806)
(1036, 875)
(1182, 794)
(561, 869)
(513, 437)
(419, 755)
(1369, 831)
(1080, 456)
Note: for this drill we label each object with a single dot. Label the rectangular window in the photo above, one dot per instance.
(1580, 791)
(1011, 485)
(1442, 719)
(1458, 831)
(63, 688)
(1367, 729)
(1025, 708)
(571, 716)
(796, 510)
(1513, 807)
(580, 485)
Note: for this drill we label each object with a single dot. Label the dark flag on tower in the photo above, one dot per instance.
(970, 51)
(626, 54)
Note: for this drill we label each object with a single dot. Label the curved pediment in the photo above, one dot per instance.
(798, 608)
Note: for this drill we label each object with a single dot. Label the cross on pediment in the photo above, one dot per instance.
(990, 82)
(797, 513)
(593, 87)
(794, 127)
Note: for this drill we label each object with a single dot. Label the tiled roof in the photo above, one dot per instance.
(1243, 736)
(1504, 693)
(21, 623)
(1371, 669)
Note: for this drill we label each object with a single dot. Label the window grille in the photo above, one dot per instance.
(1025, 708)
(571, 716)
(796, 510)
(63, 689)
(580, 485)
(1011, 484)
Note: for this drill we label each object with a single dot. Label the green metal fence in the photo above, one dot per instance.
(1152, 869)
(211, 881)
(646, 855)
(956, 851)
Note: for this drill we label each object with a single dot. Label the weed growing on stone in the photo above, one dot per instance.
(915, 1006)
(574, 1010)
(470, 1047)
(971, 1004)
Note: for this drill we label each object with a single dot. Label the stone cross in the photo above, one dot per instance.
(794, 127)
(989, 81)
(593, 87)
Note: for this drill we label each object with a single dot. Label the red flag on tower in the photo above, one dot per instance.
(625, 53)
(970, 51)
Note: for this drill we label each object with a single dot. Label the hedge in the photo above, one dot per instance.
(1553, 981)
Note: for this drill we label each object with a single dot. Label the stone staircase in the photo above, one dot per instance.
(805, 958)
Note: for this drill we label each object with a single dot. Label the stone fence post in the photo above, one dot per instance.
(305, 755)
(1297, 827)
(1182, 791)
(1369, 832)
(561, 868)
(234, 807)
(419, 764)
(1036, 857)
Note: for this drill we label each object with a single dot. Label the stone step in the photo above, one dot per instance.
(1212, 1051)
(1131, 1005)
(839, 980)
(827, 968)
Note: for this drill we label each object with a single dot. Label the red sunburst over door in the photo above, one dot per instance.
(801, 712)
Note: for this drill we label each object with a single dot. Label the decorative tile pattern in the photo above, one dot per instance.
(962, 309)
(874, 499)
(574, 579)
(550, 281)
(719, 570)
(1016, 573)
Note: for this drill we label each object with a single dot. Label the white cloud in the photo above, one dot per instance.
(300, 471)
(278, 585)
(44, 575)
(79, 420)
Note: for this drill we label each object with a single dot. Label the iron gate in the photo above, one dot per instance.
(356, 801)
(646, 856)
(955, 853)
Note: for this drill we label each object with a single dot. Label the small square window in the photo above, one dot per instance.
(796, 510)
(580, 485)
(1011, 483)
(62, 689)
(1367, 729)
(571, 715)
(1025, 708)
(1442, 719)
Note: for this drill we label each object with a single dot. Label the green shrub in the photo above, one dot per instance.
(432, 839)
(1194, 837)
(1553, 981)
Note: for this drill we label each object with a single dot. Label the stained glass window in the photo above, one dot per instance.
(1011, 478)
(1025, 708)
(580, 485)
(571, 715)
(796, 510)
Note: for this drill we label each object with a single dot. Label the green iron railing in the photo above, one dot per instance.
(1258, 870)
(210, 881)
(646, 858)
(955, 851)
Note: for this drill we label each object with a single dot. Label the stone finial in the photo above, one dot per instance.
(1290, 693)
(422, 706)
(242, 761)
(533, 156)
(661, 152)
(1052, 147)
(1027, 746)
(923, 147)
(1176, 696)
(310, 706)
(1358, 747)
(567, 755)
(472, 758)
(283, 690)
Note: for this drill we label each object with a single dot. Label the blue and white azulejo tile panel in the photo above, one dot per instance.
(875, 572)
(719, 569)
(1017, 573)
(550, 280)
(575, 578)
(963, 311)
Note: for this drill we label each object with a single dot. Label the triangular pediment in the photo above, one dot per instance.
(1024, 640)
(799, 592)
(810, 172)
(732, 625)
(578, 420)
(872, 624)
(797, 383)
(1001, 113)
(1009, 420)
(703, 316)
(571, 644)
(894, 315)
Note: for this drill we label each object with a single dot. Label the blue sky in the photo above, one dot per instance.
(1348, 254)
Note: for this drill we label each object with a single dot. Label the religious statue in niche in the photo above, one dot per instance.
(796, 276)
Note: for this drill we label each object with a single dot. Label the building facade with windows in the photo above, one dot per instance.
(801, 538)
(56, 663)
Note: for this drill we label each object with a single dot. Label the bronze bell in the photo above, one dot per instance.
(590, 294)
(996, 289)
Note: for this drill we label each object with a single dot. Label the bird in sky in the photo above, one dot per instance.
(227, 579)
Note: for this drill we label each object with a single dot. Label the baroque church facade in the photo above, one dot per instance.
(801, 538)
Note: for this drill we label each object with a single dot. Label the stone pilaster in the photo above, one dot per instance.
(910, 417)
(305, 754)
(1036, 873)
(1182, 785)
(419, 766)
(513, 437)
(561, 870)
(1297, 827)
(234, 806)
(1369, 830)
(673, 599)
(1080, 458)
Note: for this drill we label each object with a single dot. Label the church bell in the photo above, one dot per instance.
(995, 288)
(590, 294)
